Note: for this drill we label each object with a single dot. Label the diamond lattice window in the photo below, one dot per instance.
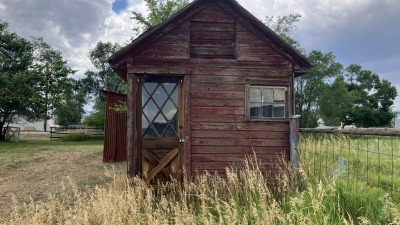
(159, 110)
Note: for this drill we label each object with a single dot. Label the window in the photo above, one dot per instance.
(267, 102)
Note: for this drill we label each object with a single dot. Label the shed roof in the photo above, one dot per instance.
(119, 59)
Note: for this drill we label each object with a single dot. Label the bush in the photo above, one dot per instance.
(80, 137)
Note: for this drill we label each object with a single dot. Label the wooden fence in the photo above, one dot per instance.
(12, 133)
(60, 132)
(355, 131)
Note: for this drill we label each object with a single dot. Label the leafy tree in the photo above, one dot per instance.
(310, 87)
(103, 76)
(32, 75)
(16, 82)
(327, 92)
(284, 27)
(336, 102)
(374, 97)
(53, 71)
(157, 12)
(96, 119)
(70, 109)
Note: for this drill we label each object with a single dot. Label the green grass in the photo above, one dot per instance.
(32, 146)
(367, 162)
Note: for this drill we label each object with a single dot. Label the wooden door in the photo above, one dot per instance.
(160, 128)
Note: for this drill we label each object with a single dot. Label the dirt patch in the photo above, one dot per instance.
(40, 175)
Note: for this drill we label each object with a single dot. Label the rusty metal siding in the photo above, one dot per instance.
(115, 129)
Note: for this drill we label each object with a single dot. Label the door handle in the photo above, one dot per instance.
(181, 140)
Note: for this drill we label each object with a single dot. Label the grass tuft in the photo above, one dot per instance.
(244, 195)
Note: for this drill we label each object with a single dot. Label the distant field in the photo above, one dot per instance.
(39, 168)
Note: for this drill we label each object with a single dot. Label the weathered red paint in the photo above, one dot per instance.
(219, 48)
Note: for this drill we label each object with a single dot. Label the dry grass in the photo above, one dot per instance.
(35, 169)
(245, 196)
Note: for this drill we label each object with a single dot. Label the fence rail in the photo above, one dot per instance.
(354, 131)
(59, 132)
(364, 161)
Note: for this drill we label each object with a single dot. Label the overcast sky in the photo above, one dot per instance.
(365, 32)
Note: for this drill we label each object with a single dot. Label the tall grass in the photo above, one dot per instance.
(363, 162)
(242, 196)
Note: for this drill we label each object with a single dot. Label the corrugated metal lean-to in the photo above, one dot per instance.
(114, 128)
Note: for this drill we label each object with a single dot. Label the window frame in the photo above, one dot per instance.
(287, 104)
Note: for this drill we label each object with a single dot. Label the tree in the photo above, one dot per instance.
(310, 87)
(53, 71)
(31, 75)
(374, 97)
(96, 119)
(284, 27)
(103, 76)
(327, 92)
(70, 109)
(157, 12)
(336, 103)
(16, 57)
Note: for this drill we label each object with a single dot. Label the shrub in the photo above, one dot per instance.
(79, 137)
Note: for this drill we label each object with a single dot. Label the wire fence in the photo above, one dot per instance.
(364, 161)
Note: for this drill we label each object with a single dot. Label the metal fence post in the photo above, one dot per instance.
(294, 140)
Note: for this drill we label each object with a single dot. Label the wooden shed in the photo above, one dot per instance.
(206, 87)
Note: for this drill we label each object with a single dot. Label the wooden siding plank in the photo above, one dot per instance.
(279, 135)
(218, 102)
(207, 17)
(220, 119)
(258, 50)
(212, 35)
(239, 142)
(218, 87)
(223, 157)
(240, 80)
(212, 26)
(243, 71)
(270, 126)
(213, 42)
(217, 95)
(221, 166)
(243, 150)
(211, 52)
(217, 110)
(213, 63)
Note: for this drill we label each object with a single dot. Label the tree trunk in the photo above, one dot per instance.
(2, 132)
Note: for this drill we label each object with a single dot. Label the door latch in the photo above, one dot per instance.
(181, 140)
